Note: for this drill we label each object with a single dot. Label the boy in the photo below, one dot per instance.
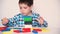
(25, 9)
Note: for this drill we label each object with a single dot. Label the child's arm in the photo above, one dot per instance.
(9, 22)
(42, 22)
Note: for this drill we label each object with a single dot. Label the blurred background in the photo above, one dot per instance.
(48, 9)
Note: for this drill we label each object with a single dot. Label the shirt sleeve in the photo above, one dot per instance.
(45, 24)
(11, 22)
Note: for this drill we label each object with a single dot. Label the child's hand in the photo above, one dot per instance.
(4, 20)
(40, 20)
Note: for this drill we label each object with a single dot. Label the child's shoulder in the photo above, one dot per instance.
(19, 14)
(36, 14)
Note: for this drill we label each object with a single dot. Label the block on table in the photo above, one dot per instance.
(8, 32)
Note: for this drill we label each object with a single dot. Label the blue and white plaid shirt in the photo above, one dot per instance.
(18, 20)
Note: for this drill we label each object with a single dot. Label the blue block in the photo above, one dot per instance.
(21, 29)
(35, 32)
(7, 29)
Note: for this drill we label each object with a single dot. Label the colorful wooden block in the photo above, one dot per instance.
(28, 26)
(2, 28)
(45, 30)
(26, 30)
(35, 32)
(28, 20)
(7, 29)
(17, 31)
(8, 32)
(38, 30)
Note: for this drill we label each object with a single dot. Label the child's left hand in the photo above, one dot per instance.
(40, 20)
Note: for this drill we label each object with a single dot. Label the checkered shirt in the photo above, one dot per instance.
(18, 21)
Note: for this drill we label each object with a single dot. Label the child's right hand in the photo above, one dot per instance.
(5, 20)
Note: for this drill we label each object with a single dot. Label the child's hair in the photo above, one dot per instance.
(28, 2)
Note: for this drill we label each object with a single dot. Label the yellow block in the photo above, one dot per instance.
(45, 30)
(8, 32)
(32, 29)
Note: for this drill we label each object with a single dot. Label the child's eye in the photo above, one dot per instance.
(25, 7)
(20, 7)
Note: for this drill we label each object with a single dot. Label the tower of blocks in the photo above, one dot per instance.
(27, 20)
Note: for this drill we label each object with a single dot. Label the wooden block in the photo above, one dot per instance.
(8, 32)
(45, 30)
(26, 30)
(7, 29)
(17, 31)
(37, 29)
(2, 28)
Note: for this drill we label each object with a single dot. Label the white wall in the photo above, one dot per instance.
(48, 9)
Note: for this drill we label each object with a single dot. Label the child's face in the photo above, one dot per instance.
(25, 9)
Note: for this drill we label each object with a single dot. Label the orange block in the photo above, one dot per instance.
(38, 30)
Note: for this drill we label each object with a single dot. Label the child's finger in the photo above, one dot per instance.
(4, 20)
(40, 20)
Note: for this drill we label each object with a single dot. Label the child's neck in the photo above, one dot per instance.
(29, 14)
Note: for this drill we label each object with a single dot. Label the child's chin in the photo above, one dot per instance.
(24, 14)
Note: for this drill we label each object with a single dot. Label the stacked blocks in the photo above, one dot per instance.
(17, 31)
(35, 32)
(27, 20)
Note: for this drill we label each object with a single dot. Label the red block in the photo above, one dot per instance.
(26, 30)
(17, 31)
(38, 30)
(2, 28)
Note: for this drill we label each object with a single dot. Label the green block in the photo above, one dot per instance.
(27, 18)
